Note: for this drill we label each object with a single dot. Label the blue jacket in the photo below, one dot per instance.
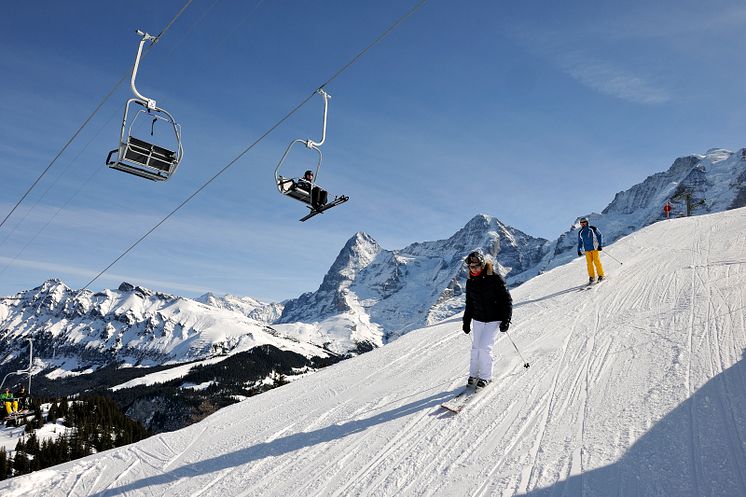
(589, 238)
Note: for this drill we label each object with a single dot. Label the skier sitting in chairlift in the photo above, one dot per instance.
(319, 196)
(22, 397)
(11, 404)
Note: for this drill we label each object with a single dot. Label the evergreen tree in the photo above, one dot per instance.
(63, 408)
(4, 468)
(20, 463)
(32, 444)
(95, 424)
(21, 445)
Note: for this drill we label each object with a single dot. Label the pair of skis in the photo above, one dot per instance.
(19, 414)
(462, 399)
(595, 283)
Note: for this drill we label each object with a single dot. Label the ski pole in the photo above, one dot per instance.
(620, 262)
(525, 364)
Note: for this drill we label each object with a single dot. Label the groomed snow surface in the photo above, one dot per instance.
(637, 387)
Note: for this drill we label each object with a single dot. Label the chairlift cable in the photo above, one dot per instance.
(97, 170)
(196, 192)
(88, 119)
(54, 183)
(171, 23)
(238, 25)
(287, 116)
(175, 46)
(60, 208)
(375, 42)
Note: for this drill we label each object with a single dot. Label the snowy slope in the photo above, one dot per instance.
(698, 184)
(636, 388)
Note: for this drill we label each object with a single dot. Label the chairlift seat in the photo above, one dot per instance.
(144, 159)
(291, 188)
(149, 155)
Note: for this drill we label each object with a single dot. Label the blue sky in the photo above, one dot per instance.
(533, 112)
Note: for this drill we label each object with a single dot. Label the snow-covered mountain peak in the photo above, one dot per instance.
(52, 290)
(357, 253)
(715, 155)
(398, 290)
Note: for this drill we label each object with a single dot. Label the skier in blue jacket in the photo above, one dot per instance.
(590, 242)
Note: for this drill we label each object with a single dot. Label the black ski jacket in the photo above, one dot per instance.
(487, 298)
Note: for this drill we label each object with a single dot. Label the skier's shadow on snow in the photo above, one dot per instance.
(699, 448)
(279, 446)
(550, 296)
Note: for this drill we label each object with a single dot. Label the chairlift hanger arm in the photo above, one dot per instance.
(310, 143)
(145, 37)
(24, 371)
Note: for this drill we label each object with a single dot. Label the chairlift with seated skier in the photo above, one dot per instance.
(140, 157)
(306, 189)
(17, 405)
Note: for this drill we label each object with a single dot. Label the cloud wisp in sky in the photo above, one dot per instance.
(608, 79)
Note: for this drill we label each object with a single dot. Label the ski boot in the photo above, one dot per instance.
(482, 383)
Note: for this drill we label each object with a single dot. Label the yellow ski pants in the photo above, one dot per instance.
(11, 408)
(592, 258)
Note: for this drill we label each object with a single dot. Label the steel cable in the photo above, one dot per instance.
(88, 119)
(287, 116)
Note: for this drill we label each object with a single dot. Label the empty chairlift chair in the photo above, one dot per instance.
(141, 157)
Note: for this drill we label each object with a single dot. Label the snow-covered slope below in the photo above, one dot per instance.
(636, 388)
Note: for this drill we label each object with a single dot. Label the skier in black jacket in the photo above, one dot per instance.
(489, 307)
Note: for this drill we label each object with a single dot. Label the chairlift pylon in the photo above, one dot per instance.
(303, 190)
(135, 155)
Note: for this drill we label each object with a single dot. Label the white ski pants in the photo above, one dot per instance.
(483, 340)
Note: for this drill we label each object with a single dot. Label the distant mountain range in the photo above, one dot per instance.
(369, 296)
(381, 294)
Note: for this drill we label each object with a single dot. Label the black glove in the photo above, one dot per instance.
(580, 253)
(504, 325)
(465, 328)
(600, 248)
